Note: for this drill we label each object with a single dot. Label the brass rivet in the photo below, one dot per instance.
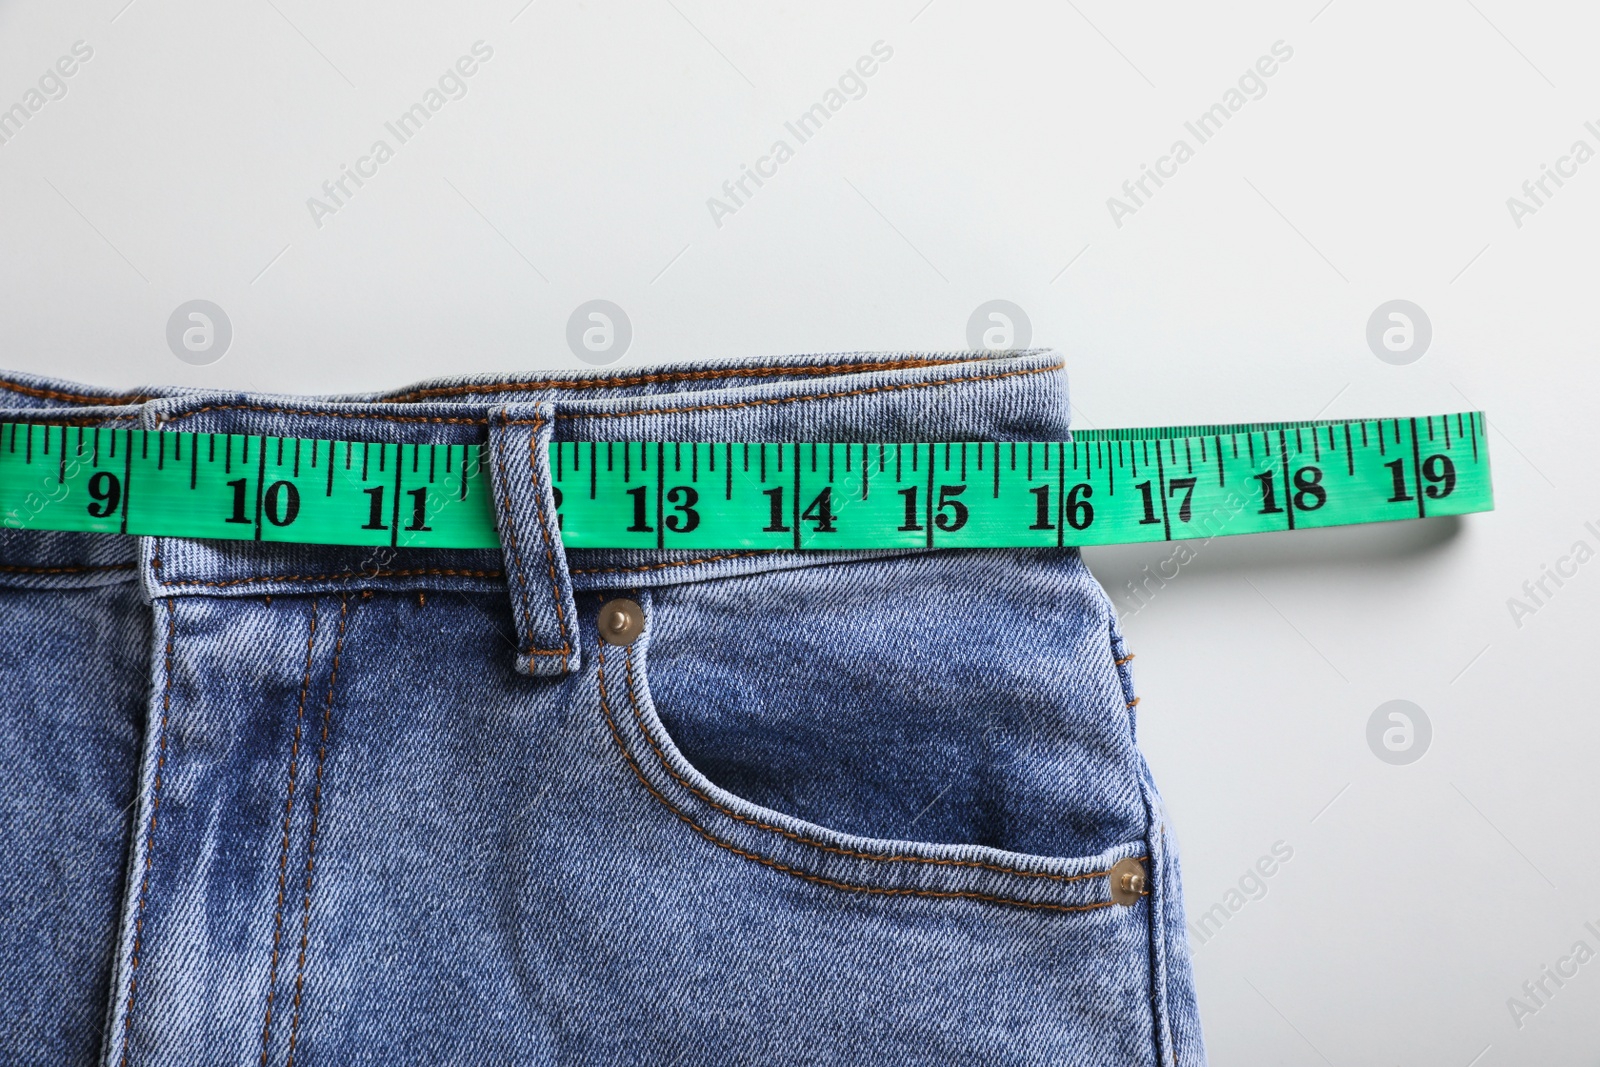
(1127, 881)
(621, 621)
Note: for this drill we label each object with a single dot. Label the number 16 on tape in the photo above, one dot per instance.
(1110, 487)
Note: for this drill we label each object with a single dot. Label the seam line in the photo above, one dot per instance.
(804, 875)
(150, 837)
(623, 380)
(805, 397)
(813, 842)
(764, 401)
(669, 563)
(626, 380)
(311, 840)
(448, 572)
(443, 420)
(115, 400)
(283, 850)
(37, 417)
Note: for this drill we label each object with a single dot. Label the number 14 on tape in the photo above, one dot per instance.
(1110, 487)
(1101, 487)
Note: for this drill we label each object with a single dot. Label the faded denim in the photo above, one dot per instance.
(285, 804)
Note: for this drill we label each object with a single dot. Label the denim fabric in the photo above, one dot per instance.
(288, 804)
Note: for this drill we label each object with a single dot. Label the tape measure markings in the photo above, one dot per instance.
(1101, 487)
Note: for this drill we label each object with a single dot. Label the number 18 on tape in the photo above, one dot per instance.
(1101, 487)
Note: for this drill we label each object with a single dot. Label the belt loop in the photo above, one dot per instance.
(530, 536)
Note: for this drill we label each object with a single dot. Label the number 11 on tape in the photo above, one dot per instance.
(1101, 487)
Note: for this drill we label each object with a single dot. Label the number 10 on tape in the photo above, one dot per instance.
(239, 487)
(1102, 487)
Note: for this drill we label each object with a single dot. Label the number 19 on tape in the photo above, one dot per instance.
(1101, 487)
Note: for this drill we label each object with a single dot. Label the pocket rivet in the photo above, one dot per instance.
(1127, 880)
(621, 621)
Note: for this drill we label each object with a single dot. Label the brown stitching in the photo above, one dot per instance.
(45, 418)
(522, 574)
(150, 838)
(1124, 659)
(448, 572)
(625, 380)
(1134, 702)
(912, 363)
(638, 717)
(544, 532)
(74, 398)
(440, 419)
(311, 840)
(9, 569)
(805, 876)
(283, 850)
(608, 414)
(669, 563)
(805, 397)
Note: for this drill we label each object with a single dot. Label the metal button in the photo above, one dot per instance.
(621, 621)
(1127, 880)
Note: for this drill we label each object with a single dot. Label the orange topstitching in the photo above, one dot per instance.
(625, 380)
(638, 716)
(448, 572)
(283, 848)
(765, 861)
(74, 398)
(150, 836)
(800, 398)
(311, 834)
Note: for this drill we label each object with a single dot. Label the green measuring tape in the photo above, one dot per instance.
(1102, 487)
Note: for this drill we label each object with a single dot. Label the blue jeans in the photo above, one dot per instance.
(289, 804)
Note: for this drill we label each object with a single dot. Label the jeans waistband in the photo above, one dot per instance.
(838, 397)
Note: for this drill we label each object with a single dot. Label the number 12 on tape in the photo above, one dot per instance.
(1101, 487)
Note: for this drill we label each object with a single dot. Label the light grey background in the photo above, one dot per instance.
(977, 165)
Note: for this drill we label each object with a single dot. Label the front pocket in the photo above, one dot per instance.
(947, 726)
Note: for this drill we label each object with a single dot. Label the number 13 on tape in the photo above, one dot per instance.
(1106, 487)
(1101, 487)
